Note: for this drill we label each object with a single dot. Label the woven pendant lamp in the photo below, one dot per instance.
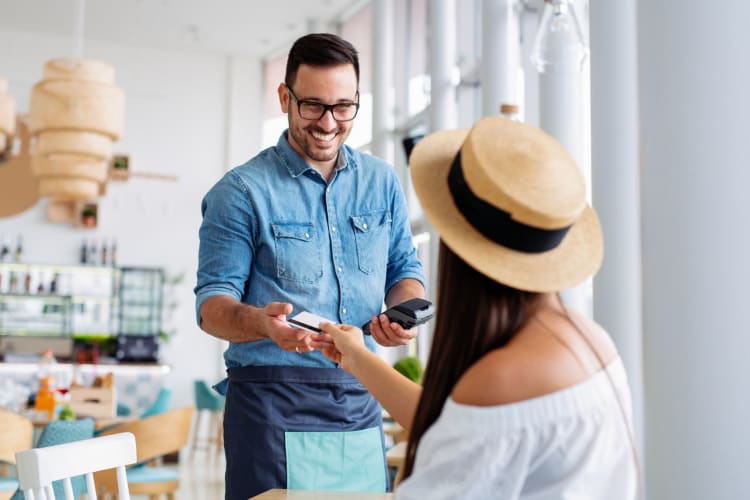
(76, 113)
(7, 116)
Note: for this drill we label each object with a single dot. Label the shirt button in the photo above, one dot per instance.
(343, 311)
(339, 269)
(364, 226)
(333, 229)
(307, 236)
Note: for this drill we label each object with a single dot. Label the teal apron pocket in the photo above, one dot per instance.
(327, 460)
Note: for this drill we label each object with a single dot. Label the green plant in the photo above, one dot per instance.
(410, 367)
(67, 413)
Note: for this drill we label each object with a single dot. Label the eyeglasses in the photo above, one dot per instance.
(314, 110)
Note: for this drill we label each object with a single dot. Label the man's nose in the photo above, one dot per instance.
(327, 119)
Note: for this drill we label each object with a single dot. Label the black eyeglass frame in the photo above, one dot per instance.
(326, 107)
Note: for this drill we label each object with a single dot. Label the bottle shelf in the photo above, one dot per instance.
(89, 301)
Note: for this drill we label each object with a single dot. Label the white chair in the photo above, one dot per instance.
(39, 467)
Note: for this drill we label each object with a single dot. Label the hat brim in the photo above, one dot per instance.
(577, 257)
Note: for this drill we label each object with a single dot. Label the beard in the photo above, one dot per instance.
(303, 139)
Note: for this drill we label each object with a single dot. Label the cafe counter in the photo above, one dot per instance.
(137, 385)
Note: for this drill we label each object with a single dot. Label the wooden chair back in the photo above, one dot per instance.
(16, 434)
(155, 437)
(158, 435)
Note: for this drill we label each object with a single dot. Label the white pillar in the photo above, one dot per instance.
(561, 105)
(694, 72)
(442, 62)
(79, 28)
(382, 79)
(443, 109)
(615, 191)
(501, 53)
(401, 65)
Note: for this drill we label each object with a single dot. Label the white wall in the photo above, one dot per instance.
(178, 121)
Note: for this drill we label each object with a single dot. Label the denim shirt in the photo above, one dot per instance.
(274, 231)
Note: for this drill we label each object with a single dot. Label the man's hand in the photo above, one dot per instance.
(276, 328)
(390, 334)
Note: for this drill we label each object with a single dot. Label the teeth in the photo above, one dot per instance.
(324, 137)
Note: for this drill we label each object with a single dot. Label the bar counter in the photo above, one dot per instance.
(137, 385)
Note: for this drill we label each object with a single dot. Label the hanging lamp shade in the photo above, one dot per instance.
(7, 116)
(76, 113)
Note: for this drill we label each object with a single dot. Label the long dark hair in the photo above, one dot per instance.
(320, 49)
(474, 316)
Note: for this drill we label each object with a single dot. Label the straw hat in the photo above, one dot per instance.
(524, 220)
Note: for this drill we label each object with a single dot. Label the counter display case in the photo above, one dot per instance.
(36, 315)
(56, 304)
(141, 298)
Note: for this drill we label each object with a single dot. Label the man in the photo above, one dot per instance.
(307, 225)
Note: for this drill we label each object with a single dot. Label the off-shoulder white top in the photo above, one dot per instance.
(570, 444)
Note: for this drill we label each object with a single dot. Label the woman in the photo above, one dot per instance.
(522, 398)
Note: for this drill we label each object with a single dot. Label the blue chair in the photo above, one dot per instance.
(123, 410)
(160, 405)
(61, 432)
(211, 403)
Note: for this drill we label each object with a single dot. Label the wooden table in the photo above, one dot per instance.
(278, 494)
(395, 457)
(99, 423)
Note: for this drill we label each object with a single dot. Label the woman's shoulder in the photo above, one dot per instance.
(543, 357)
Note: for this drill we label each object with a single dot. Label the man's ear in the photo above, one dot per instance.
(283, 97)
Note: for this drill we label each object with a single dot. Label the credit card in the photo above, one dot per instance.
(308, 321)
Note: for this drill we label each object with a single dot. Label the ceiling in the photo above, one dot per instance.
(245, 27)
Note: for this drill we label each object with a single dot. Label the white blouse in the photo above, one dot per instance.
(570, 444)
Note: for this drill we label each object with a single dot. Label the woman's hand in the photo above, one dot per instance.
(340, 343)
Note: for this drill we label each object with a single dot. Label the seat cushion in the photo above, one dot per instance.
(151, 475)
(8, 484)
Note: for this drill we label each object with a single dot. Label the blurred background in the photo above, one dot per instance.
(648, 96)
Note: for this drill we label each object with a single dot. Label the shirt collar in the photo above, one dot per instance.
(297, 166)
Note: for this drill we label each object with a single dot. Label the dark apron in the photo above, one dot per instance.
(301, 428)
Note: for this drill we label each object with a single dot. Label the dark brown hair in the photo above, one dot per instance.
(475, 315)
(320, 49)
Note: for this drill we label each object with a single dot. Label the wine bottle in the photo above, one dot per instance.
(84, 252)
(19, 249)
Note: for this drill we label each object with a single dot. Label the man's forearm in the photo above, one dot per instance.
(229, 319)
(405, 289)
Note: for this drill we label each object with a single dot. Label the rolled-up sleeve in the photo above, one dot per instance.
(226, 250)
(403, 261)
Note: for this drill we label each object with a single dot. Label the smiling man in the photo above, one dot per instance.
(307, 225)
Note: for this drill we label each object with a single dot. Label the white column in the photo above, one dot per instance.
(615, 191)
(383, 118)
(443, 109)
(401, 65)
(694, 72)
(442, 62)
(561, 105)
(501, 53)
(79, 28)
(382, 79)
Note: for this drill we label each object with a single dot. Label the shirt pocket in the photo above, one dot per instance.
(372, 235)
(297, 252)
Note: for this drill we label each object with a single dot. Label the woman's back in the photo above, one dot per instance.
(548, 354)
(539, 418)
